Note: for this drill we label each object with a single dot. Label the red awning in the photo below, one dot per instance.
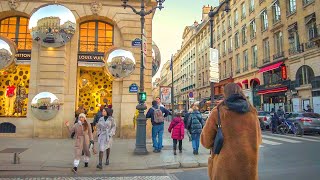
(256, 80)
(275, 90)
(271, 67)
(245, 81)
(239, 84)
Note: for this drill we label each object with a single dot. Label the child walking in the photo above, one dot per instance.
(176, 129)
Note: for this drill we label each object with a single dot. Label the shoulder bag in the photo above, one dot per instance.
(218, 141)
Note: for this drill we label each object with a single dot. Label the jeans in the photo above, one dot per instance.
(195, 141)
(175, 142)
(157, 133)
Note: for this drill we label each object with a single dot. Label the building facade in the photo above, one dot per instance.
(75, 72)
(271, 49)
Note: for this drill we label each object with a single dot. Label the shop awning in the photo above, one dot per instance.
(274, 90)
(271, 67)
(239, 84)
(255, 79)
(245, 81)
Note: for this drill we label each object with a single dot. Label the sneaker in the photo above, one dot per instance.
(180, 151)
(155, 150)
(86, 164)
(194, 152)
(99, 166)
(74, 169)
(107, 162)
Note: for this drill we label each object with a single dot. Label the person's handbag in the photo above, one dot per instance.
(218, 141)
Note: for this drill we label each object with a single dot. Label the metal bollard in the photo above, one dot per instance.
(16, 158)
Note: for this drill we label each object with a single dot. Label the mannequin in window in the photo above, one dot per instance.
(10, 98)
(20, 97)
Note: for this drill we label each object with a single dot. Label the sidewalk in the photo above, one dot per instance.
(57, 155)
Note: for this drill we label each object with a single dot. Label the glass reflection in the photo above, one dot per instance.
(120, 63)
(45, 106)
(52, 26)
(7, 53)
(156, 58)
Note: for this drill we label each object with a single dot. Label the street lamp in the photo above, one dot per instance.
(141, 138)
(211, 14)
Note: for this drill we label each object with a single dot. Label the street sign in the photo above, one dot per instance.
(136, 42)
(133, 88)
(214, 67)
(191, 99)
(190, 94)
(144, 48)
(214, 54)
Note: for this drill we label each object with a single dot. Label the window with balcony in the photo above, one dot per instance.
(244, 34)
(253, 29)
(243, 10)
(218, 32)
(245, 60)
(307, 2)
(311, 26)
(254, 50)
(291, 7)
(266, 51)
(219, 50)
(224, 48)
(223, 28)
(231, 66)
(236, 17)
(229, 23)
(276, 12)
(225, 69)
(272, 77)
(238, 63)
(251, 6)
(236, 40)
(264, 20)
(278, 45)
(294, 42)
(304, 75)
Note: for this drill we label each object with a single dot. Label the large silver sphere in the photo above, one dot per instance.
(156, 58)
(52, 25)
(120, 63)
(7, 53)
(45, 106)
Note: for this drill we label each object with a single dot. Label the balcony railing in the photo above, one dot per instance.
(237, 71)
(266, 60)
(252, 35)
(290, 12)
(310, 45)
(229, 28)
(218, 37)
(316, 32)
(230, 50)
(296, 50)
(224, 54)
(278, 55)
(251, 9)
(254, 65)
(307, 2)
(243, 16)
(245, 68)
(223, 32)
(235, 23)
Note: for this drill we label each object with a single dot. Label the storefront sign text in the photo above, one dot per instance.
(23, 55)
(91, 57)
(284, 72)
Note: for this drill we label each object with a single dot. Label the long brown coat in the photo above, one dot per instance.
(82, 139)
(238, 158)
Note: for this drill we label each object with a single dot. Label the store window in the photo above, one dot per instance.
(304, 75)
(16, 28)
(272, 77)
(95, 36)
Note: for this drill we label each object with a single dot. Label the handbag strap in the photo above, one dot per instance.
(219, 120)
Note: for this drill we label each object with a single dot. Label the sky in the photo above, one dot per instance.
(52, 10)
(169, 24)
(5, 45)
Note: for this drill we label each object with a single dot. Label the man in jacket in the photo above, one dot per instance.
(194, 126)
(157, 128)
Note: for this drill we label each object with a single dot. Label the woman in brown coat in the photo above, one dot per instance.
(238, 158)
(83, 139)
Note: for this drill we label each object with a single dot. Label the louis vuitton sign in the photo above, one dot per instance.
(23, 55)
(97, 57)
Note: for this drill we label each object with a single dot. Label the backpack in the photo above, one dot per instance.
(157, 115)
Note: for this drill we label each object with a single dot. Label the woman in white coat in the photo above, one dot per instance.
(106, 129)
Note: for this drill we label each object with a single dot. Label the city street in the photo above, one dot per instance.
(281, 157)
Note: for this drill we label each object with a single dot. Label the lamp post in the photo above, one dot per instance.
(211, 14)
(141, 138)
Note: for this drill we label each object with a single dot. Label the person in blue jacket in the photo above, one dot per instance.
(157, 127)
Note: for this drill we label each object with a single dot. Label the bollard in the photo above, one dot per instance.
(16, 158)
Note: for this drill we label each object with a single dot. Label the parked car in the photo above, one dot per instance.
(310, 122)
(265, 119)
(49, 38)
(205, 115)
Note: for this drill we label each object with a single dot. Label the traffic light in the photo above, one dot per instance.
(142, 96)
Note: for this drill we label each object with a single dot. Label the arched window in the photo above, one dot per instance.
(304, 75)
(16, 28)
(95, 37)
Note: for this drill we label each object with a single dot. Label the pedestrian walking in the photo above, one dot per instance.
(83, 141)
(186, 117)
(274, 121)
(106, 129)
(98, 116)
(195, 125)
(237, 156)
(176, 129)
(157, 115)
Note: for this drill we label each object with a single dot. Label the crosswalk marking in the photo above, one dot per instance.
(270, 142)
(300, 138)
(281, 139)
(318, 138)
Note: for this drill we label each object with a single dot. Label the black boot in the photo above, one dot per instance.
(86, 164)
(107, 158)
(180, 151)
(99, 166)
(174, 152)
(74, 169)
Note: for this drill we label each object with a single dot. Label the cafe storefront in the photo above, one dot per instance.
(74, 56)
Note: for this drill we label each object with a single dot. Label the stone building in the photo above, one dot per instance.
(63, 70)
(271, 49)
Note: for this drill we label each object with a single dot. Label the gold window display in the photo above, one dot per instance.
(95, 36)
(16, 28)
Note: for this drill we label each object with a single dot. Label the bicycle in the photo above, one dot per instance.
(286, 126)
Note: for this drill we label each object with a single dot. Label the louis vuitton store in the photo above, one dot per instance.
(56, 58)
